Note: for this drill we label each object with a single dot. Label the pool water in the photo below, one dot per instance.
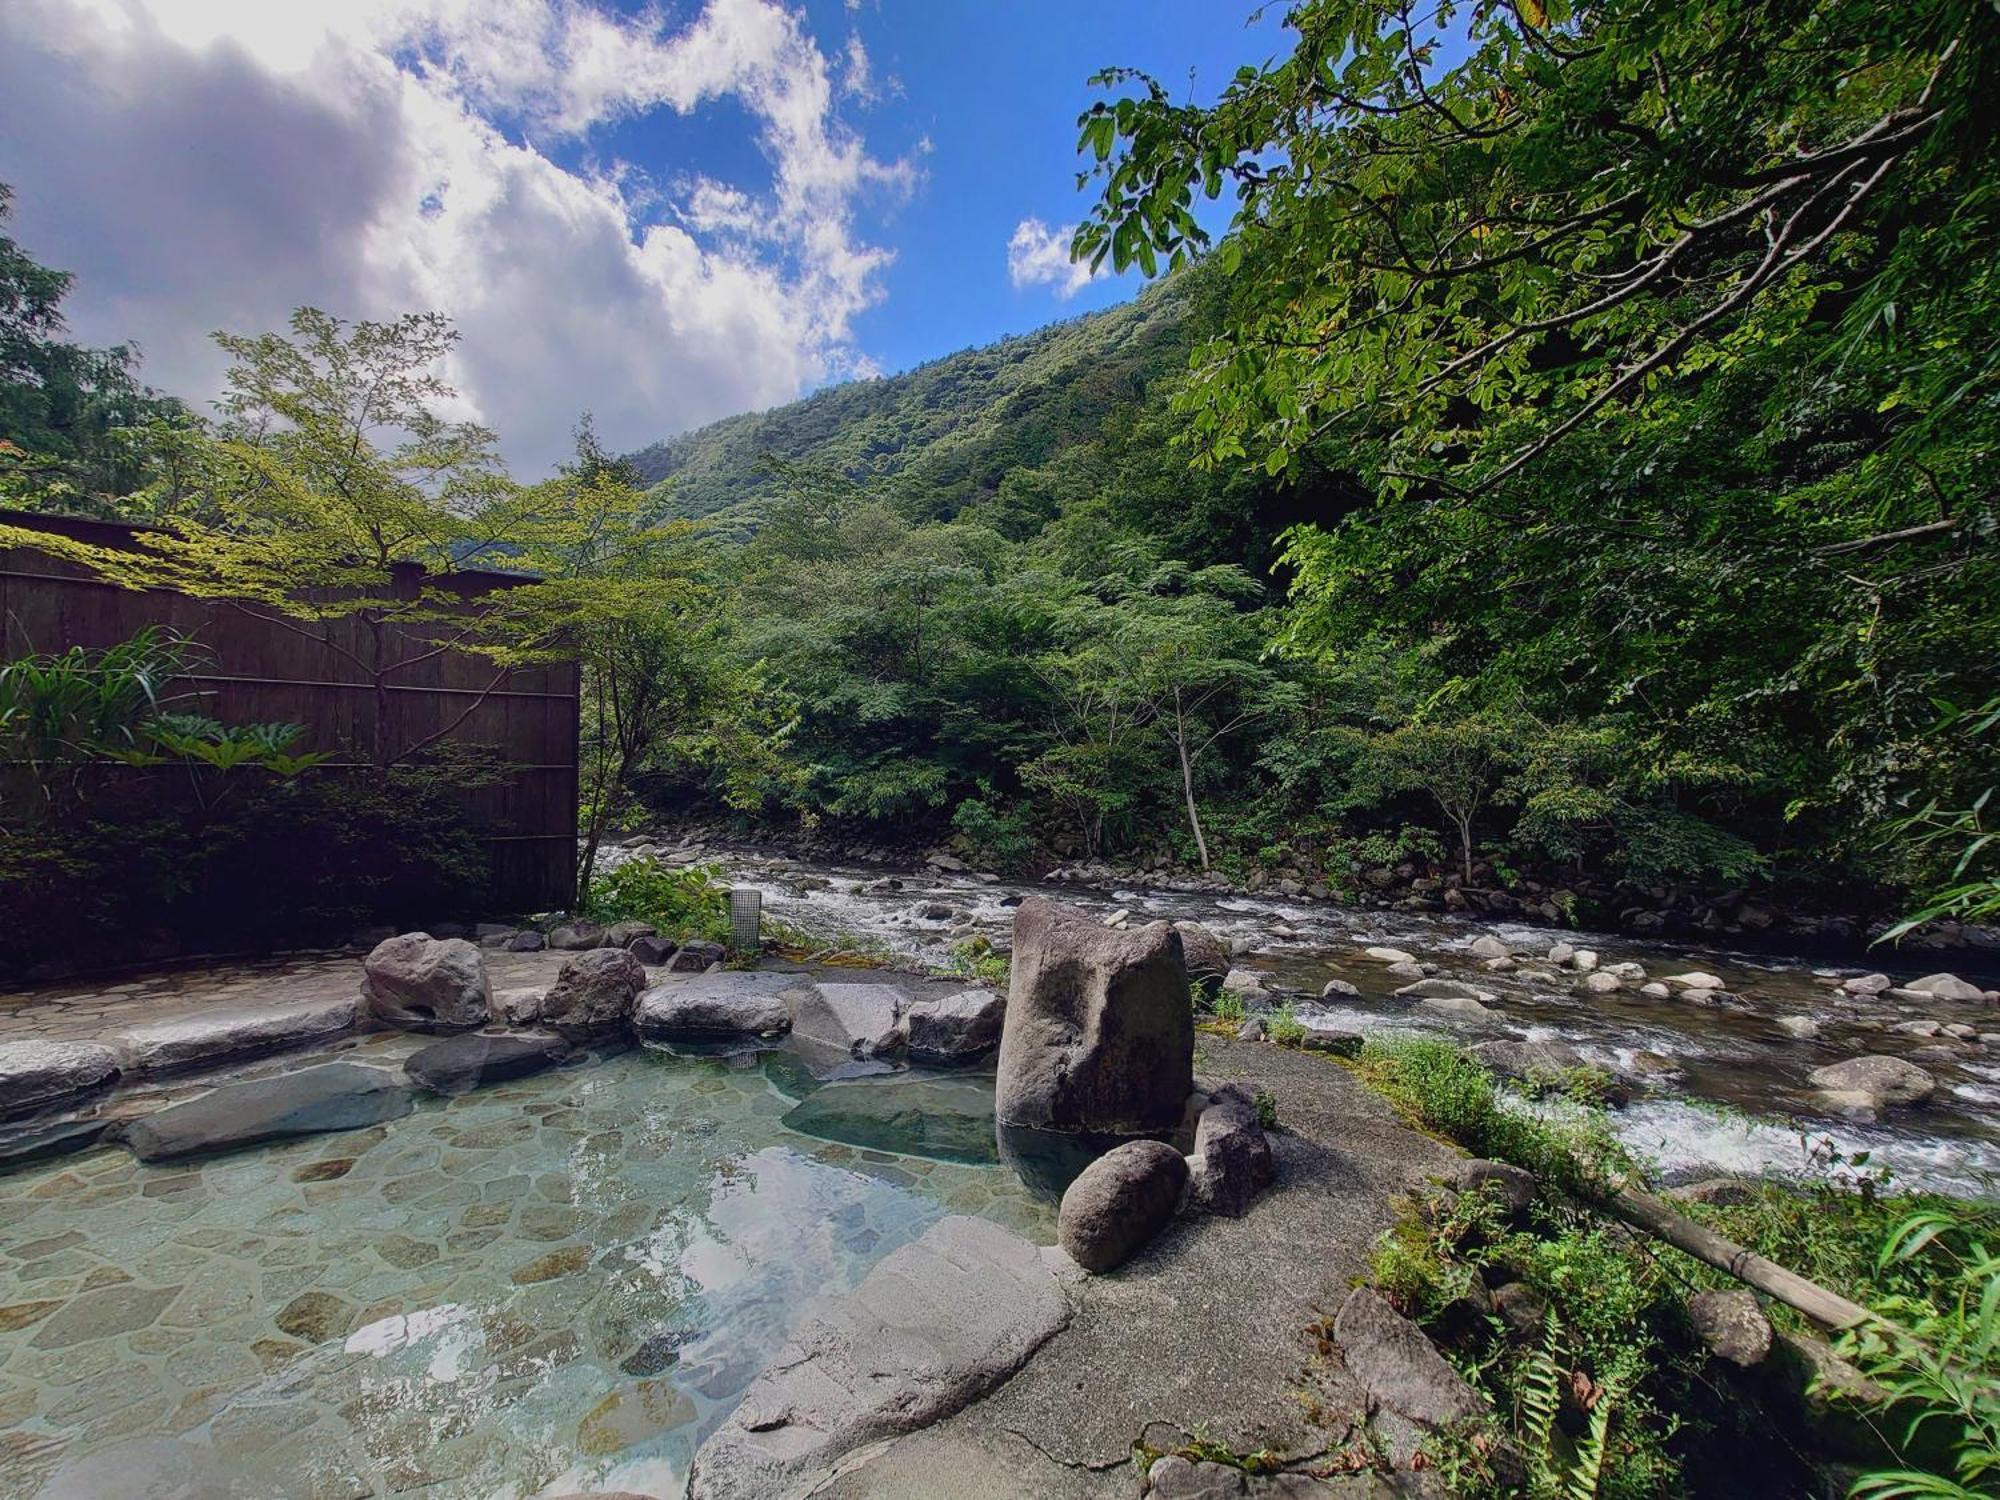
(559, 1283)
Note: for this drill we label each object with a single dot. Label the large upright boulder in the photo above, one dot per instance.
(416, 982)
(594, 993)
(1099, 1032)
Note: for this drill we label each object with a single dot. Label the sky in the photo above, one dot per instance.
(663, 214)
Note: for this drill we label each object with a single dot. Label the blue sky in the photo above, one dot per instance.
(662, 214)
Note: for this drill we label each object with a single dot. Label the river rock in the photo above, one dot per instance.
(1628, 971)
(1603, 983)
(1799, 1028)
(625, 934)
(416, 982)
(955, 1028)
(577, 936)
(333, 1096)
(1206, 958)
(463, 1063)
(1172, 1477)
(1521, 1308)
(527, 941)
(1489, 947)
(1732, 1325)
(520, 1006)
(1099, 1032)
(1339, 989)
(1694, 979)
(652, 950)
(1561, 953)
(1520, 1059)
(594, 993)
(1656, 991)
(1887, 1080)
(1512, 1187)
(1330, 1040)
(35, 1074)
(1389, 955)
(1243, 982)
(1867, 984)
(224, 1032)
(1583, 960)
(1454, 1005)
(696, 957)
(862, 1020)
(1252, 1030)
(1232, 1159)
(708, 1007)
(933, 1327)
(1404, 1375)
(1946, 987)
(1119, 1202)
(1442, 989)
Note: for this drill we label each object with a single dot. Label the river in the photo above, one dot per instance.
(1737, 1101)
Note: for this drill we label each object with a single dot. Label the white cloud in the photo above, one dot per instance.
(1038, 255)
(209, 164)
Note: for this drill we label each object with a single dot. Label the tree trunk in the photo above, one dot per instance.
(1465, 847)
(1194, 816)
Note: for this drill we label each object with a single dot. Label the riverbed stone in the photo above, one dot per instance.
(862, 1020)
(696, 957)
(332, 1096)
(1799, 1028)
(578, 936)
(463, 1063)
(1119, 1202)
(1694, 979)
(1603, 982)
(36, 1074)
(1454, 1005)
(1488, 946)
(1099, 1032)
(220, 1033)
(1890, 1080)
(1206, 956)
(955, 1028)
(1732, 1325)
(416, 982)
(1512, 1187)
(1389, 955)
(934, 1326)
(520, 1005)
(652, 951)
(709, 1007)
(594, 994)
(1442, 989)
(1946, 987)
(1339, 989)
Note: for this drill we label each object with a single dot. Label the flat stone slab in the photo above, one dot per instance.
(34, 1075)
(1403, 1373)
(725, 1004)
(864, 1020)
(464, 1063)
(955, 1028)
(334, 1096)
(38, 1141)
(223, 1033)
(935, 1326)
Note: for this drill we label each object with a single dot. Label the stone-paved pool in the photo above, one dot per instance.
(559, 1283)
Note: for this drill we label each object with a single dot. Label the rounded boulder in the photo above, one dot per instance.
(1119, 1202)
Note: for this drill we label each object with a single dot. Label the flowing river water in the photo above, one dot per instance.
(1736, 1101)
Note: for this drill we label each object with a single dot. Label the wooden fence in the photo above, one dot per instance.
(261, 668)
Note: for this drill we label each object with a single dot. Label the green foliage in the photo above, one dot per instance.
(1937, 1355)
(1285, 1028)
(974, 958)
(1228, 1006)
(998, 838)
(681, 901)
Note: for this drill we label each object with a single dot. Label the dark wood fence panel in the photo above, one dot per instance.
(259, 667)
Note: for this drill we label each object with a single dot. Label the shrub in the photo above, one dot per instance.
(1228, 1006)
(681, 901)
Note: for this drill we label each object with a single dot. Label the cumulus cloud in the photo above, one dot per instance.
(1039, 256)
(206, 164)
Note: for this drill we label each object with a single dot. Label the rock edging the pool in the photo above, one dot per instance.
(933, 1327)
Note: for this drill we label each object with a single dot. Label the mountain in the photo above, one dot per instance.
(944, 435)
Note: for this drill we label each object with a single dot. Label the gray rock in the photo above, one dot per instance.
(707, 1007)
(946, 1119)
(219, 1034)
(1099, 1034)
(955, 1028)
(1328, 1039)
(1561, 953)
(1694, 979)
(862, 1020)
(1442, 989)
(1454, 1005)
(1720, 1192)
(1119, 1202)
(462, 1063)
(594, 993)
(933, 1327)
(1399, 1368)
(1799, 1028)
(527, 941)
(1583, 960)
(1340, 989)
(1732, 1325)
(1656, 991)
(1630, 972)
(696, 957)
(1512, 1187)
(1251, 1030)
(1411, 970)
(1889, 1079)
(1389, 955)
(36, 1074)
(1520, 1060)
(1489, 947)
(624, 934)
(1867, 984)
(1206, 958)
(1603, 982)
(1232, 1159)
(334, 1096)
(578, 936)
(416, 982)
(39, 1140)
(521, 1006)
(1946, 987)
(1520, 1307)
(653, 951)
(1175, 1478)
